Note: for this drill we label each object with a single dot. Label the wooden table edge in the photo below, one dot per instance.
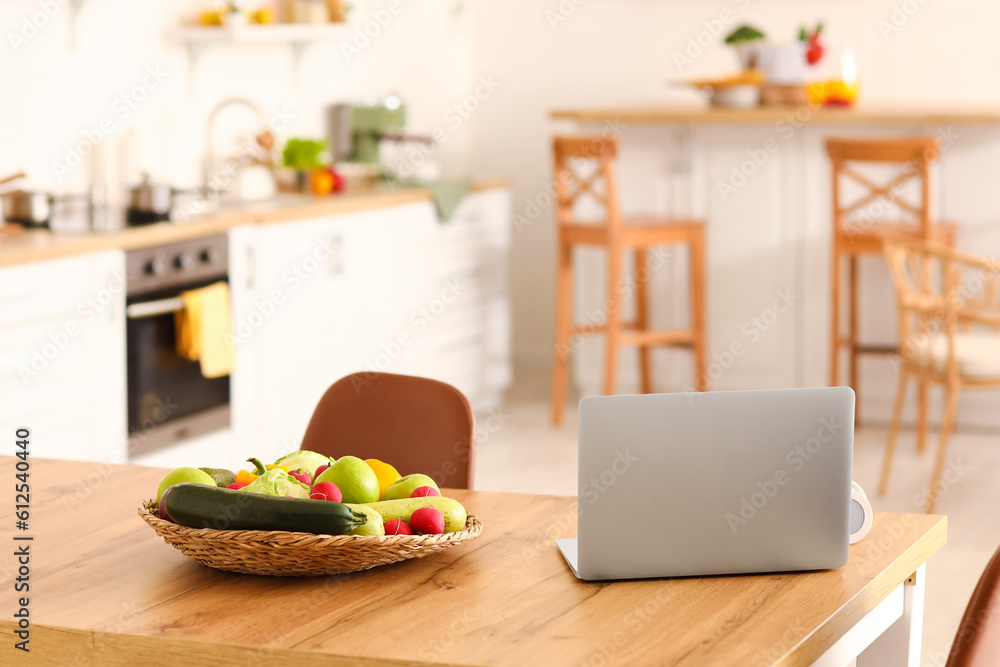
(810, 649)
(54, 645)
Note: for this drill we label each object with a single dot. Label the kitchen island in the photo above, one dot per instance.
(760, 178)
(106, 590)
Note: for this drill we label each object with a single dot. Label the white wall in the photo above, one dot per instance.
(54, 94)
(621, 52)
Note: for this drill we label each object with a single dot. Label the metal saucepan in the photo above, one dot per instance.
(150, 202)
(30, 208)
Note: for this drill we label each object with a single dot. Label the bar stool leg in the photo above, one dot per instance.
(613, 317)
(853, 328)
(835, 319)
(564, 320)
(642, 279)
(696, 262)
(921, 415)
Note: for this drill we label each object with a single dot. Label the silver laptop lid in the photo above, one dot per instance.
(714, 483)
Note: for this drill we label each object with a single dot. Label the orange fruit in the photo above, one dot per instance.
(386, 474)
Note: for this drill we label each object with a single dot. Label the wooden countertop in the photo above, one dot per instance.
(107, 590)
(39, 245)
(860, 115)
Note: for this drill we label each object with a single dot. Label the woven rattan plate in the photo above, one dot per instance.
(288, 554)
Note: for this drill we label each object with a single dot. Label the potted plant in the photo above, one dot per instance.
(747, 41)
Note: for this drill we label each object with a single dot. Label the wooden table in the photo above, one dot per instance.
(106, 590)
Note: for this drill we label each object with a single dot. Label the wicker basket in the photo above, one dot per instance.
(288, 554)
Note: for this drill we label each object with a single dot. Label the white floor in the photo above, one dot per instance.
(525, 454)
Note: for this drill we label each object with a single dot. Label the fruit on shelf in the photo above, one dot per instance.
(814, 48)
(387, 475)
(428, 521)
(322, 181)
(405, 486)
(397, 527)
(356, 481)
(179, 475)
(424, 491)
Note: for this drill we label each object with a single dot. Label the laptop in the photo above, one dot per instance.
(728, 482)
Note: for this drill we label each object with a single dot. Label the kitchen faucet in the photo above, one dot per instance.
(210, 137)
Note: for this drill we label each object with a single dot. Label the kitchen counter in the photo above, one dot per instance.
(860, 115)
(106, 590)
(39, 245)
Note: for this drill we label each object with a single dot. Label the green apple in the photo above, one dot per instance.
(178, 475)
(355, 479)
(404, 486)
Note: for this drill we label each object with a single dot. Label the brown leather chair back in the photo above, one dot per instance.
(977, 643)
(412, 423)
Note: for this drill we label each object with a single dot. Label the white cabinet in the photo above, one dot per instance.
(455, 314)
(324, 298)
(390, 289)
(62, 356)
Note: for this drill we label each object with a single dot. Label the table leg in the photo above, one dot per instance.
(899, 645)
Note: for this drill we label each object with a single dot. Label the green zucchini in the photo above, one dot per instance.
(203, 506)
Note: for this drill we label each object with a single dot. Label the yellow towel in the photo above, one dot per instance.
(202, 328)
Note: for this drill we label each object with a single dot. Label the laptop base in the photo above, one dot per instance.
(569, 548)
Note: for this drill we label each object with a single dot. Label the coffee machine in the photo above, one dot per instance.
(357, 130)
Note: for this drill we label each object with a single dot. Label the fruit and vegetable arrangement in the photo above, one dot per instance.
(308, 492)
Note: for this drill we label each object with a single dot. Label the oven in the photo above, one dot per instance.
(169, 400)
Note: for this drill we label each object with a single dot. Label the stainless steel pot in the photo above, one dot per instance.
(152, 198)
(32, 209)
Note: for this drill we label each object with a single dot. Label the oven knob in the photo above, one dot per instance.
(209, 255)
(155, 267)
(183, 261)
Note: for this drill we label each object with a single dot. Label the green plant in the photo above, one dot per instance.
(744, 34)
(304, 154)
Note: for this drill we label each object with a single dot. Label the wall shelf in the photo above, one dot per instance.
(298, 37)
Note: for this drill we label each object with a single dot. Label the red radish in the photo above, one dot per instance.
(236, 486)
(302, 476)
(398, 527)
(326, 491)
(424, 491)
(320, 470)
(427, 520)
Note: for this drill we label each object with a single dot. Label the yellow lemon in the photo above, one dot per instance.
(386, 473)
(264, 15)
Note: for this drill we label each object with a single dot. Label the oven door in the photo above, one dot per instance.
(169, 400)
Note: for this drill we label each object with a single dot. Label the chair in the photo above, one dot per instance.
(977, 642)
(616, 236)
(856, 231)
(413, 423)
(949, 331)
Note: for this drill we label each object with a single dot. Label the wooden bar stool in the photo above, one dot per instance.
(616, 236)
(856, 232)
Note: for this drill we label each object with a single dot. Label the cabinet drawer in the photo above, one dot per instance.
(75, 286)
